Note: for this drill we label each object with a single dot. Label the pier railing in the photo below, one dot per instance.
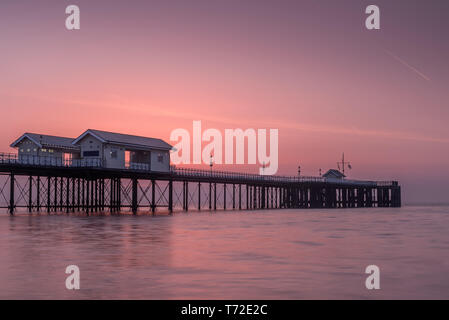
(49, 161)
(242, 176)
(188, 172)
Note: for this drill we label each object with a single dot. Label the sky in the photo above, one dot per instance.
(308, 68)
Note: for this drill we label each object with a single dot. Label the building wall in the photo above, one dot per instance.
(27, 148)
(156, 164)
(91, 145)
(114, 156)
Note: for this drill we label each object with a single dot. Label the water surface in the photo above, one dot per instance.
(271, 254)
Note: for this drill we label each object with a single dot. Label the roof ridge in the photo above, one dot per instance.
(125, 134)
(47, 135)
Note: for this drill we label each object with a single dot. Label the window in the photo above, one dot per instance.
(28, 150)
(68, 157)
(44, 150)
(114, 154)
(127, 159)
(160, 157)
(50, 150)
(91, 154)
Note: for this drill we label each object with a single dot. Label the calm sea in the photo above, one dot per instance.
(272, 254)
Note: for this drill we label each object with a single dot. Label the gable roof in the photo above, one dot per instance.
(125, 140)
(43, 140)
(333, 173)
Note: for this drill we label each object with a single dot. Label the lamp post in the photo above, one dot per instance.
(211, 163)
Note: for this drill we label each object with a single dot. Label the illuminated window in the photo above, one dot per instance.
(34, 149)
(50, 150)
(28, 150)
(44, 150)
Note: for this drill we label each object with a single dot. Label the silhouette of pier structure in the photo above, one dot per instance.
(38, 186)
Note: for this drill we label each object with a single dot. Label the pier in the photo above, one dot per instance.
(39, 185)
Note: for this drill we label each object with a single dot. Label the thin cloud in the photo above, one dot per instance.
(119, 104)
(233, 122)
(422, 75)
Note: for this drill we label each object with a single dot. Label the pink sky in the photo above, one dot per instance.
(308, 68)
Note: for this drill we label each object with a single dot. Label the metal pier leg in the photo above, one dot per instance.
(87, 196)
(83, 197)
(210, 195)
(183, 196)
(199, 196)
(275, 197)
(73, 194)
(224, 196)
(92, 196)
(254, 197)
(30, 194)
(187, 196)
(119, 194)
(240, 196)
(134, 196)
(111, 200)
(11, 194)
(215, 196)
(153, 196)
(55, 200)
(281, 199)
(170, 196)
(38, 194)
(48, 193)
(67, 195)
(233, 196)
(247, 197)
(61, 190)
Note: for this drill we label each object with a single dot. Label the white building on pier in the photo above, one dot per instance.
(106, 149)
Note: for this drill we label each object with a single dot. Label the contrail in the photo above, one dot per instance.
(422, 75)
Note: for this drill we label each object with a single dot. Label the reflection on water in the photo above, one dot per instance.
(279, 254)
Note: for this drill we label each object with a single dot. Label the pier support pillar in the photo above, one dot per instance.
(224, 196)
(215, 196)
(38, 193)
(30, 194)
(170, 196)
(210, 195)
(153, 196)
(199, 196)
(134, 196)
(240, 196)
(11, 194)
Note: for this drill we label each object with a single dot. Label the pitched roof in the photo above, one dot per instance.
(43, 140)
(125, 139)
(333, 173)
